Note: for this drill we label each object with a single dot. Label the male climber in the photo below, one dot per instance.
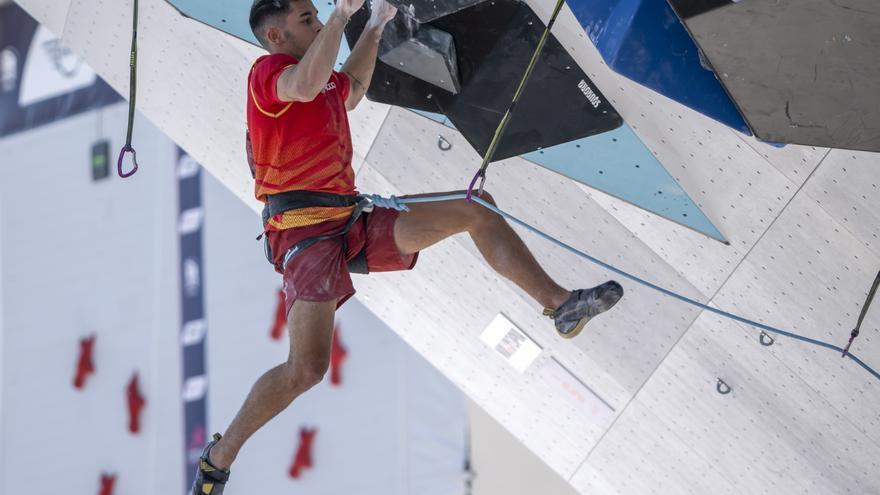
(300, 151)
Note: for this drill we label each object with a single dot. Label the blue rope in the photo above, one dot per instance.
(637, 279)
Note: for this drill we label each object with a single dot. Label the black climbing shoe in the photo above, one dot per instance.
(583, 305)
(210, 480)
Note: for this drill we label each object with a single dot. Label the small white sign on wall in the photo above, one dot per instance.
(511, 343)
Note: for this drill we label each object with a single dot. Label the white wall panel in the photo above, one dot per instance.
(191, 78)
(796, 162)
(644, 455)
(615, 354)
(847, 187)
(365, 121)
(772, 434)
(191, 81)
(557, 207)
(810, 276)
(738, 189)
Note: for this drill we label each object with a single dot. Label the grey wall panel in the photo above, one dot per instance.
(492, 444)
(804, 73)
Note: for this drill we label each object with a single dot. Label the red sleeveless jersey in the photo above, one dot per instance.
(298, 145)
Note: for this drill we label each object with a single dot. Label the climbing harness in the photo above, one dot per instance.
(293, 200)
(131, 102)
(502, 126)
(855, 332)
(657, 288)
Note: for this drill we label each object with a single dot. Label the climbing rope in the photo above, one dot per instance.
(398, 203)
(481, 174)
(653, 286)
(502, 126)
(131, 103)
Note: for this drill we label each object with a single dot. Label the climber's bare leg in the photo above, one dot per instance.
(310, 325)
(428, 223)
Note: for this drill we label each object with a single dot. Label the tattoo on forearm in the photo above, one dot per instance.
(357, 82)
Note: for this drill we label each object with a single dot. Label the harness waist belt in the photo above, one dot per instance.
(292, 200)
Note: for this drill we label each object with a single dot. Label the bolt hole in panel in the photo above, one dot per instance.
(802, 71)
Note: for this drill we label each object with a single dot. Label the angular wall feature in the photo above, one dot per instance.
(800, 257)
(644, 41)
(800, 71)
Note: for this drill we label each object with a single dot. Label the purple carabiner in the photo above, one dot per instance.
(119, 162)
(473, 182)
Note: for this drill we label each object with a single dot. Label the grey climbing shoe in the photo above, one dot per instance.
(210, 480)
(582, 306)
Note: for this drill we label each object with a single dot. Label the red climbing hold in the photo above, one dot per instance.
(303, 458)
(107, 482)
(136, 403)
(337, 356)
(280, 318)
(84, 366)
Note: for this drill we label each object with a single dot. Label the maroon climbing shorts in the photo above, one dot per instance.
(320, 273)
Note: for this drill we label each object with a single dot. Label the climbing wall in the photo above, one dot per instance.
(631, 406)
(104, 277)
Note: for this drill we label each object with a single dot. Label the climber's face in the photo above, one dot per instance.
(299, 30)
